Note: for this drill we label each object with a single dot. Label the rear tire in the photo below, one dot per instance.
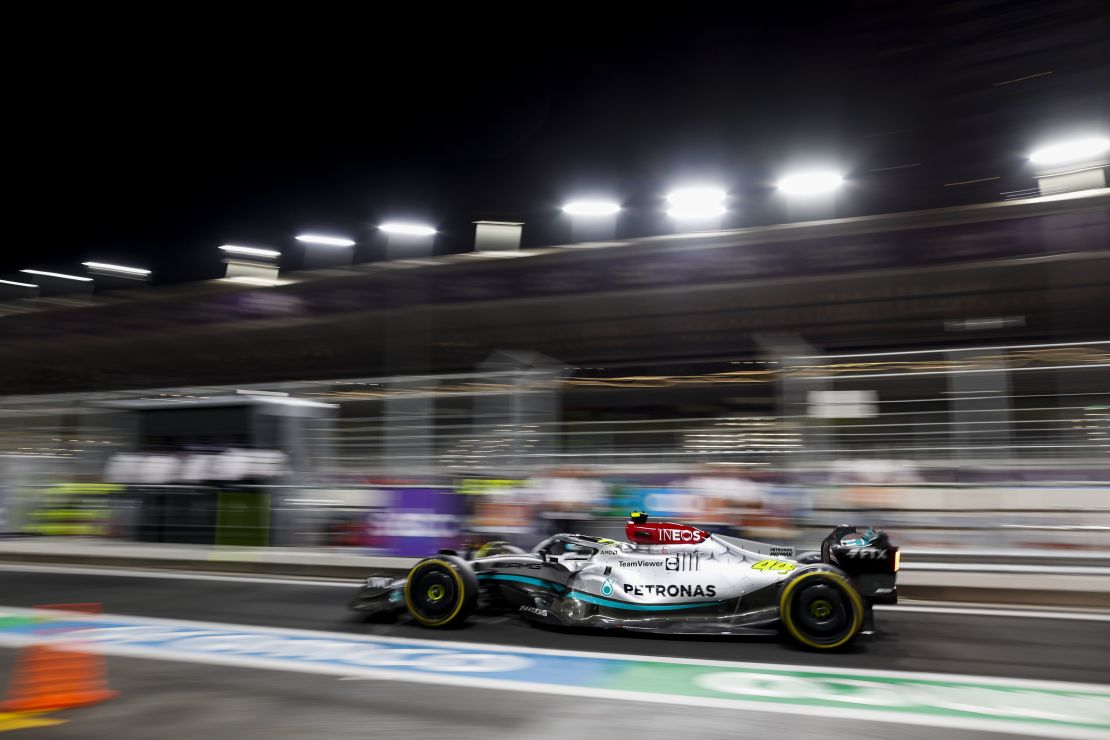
(821, 609)
(441, 592)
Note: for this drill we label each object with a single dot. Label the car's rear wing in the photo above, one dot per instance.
(860, 552)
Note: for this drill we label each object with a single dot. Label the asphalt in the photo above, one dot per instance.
(187, 700)
(184, 701)
(1002, 646)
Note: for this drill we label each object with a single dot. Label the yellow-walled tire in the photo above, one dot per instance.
(441, 592)
(821, 609)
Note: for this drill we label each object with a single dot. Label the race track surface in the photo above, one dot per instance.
(194, 699)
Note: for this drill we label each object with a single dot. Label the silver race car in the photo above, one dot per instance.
(667, 578)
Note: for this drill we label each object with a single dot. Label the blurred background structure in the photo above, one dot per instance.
(941, 373)
(878, 292)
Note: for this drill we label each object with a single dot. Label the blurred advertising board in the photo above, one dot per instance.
(496, 505)
(420, 521)
(669, 501)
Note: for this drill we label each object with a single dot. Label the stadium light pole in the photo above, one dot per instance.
(323, 250)
(814, 182)
(251, 265)
(810, 193)
(593, 219)
(1072, 151)
(251, 252)
(1069, 165)
(60, 282)
(407, 239)
(698, 208)
(17, 289)
(59, 275)
(117, 271)
(326, 241)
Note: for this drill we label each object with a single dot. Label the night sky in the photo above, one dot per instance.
(152, 140)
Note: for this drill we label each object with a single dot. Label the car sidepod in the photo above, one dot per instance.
(527, 585)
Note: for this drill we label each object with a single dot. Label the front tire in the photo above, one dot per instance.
(441, 592)
(821, 609)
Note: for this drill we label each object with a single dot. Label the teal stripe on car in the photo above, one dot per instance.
(522, 579)
(590, 598)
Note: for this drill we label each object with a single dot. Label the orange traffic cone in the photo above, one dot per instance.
(47, 677)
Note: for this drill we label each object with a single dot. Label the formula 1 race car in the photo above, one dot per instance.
(668, 578)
